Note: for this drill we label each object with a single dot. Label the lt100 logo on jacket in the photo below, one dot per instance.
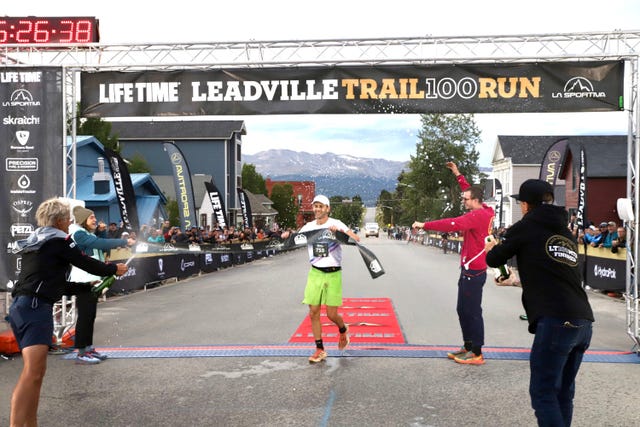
(563, 250)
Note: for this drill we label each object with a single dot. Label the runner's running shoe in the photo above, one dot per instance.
(86, 359)
(318, 356)
(97, 355)
(469, 358)
(344, 339)
(458, 353)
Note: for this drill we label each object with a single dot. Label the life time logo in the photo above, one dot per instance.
(578, 87)
(21, 98)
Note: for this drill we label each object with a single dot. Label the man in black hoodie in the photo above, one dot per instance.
(557, 306)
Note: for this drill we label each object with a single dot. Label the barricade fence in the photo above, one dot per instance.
(155, 263)
(604, 270)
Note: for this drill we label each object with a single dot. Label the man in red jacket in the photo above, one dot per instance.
(475, 225)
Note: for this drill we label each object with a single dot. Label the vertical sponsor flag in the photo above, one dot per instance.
(499, 200)
(581, 213)
(124, 190)
(552, 161)
(245, 208)
(183, 186)
(217, 201)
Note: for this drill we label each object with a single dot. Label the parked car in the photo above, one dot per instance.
(371, 229)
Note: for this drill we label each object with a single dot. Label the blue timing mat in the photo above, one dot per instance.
(355, 350)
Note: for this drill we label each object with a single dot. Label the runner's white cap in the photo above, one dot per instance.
(321, 199)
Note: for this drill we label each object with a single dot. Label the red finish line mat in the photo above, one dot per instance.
(370, 320)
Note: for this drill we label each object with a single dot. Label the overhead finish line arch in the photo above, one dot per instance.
(557, 52)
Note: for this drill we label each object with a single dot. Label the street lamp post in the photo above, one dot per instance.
(391, 208)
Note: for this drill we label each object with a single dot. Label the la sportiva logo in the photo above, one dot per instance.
(21, 98)
(578, 87)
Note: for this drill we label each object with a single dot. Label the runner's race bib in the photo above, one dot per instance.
(320, 249)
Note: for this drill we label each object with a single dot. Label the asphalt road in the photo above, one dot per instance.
(259, 304)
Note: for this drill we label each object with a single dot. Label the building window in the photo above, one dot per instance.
(203, 220)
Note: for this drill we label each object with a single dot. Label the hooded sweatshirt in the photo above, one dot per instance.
(47, 255)
(547, 256)
(475, 225)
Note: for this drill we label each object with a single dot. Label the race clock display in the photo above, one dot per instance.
(40, 30)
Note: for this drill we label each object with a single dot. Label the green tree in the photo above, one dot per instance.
(430, 189)
(252, 180)
(138, 164)
(99, 128)
(282, 198)
(172, 211)
(349, 211)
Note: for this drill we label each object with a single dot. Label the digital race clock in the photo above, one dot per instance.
(37, 30)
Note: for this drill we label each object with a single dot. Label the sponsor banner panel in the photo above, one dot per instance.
(188, 265)
(605, 273)
(31, 132)
(377, 89)
(209, 262)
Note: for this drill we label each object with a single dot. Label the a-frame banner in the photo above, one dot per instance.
(416, 89)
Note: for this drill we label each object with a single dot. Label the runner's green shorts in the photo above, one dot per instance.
(323, 288)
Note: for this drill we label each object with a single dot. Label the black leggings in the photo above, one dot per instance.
(87, 305)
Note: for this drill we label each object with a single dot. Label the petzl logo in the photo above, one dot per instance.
(22, 136)
(578, 87)
(21, 98)
(21, 229)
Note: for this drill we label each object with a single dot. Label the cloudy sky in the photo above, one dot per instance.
(380, 136)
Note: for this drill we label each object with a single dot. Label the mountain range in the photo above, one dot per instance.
(334, 174)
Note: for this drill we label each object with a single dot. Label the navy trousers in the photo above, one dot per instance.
(469, 306)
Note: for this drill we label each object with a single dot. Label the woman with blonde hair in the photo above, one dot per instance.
(47, 255)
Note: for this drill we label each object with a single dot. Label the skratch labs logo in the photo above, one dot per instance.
(578, 87)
